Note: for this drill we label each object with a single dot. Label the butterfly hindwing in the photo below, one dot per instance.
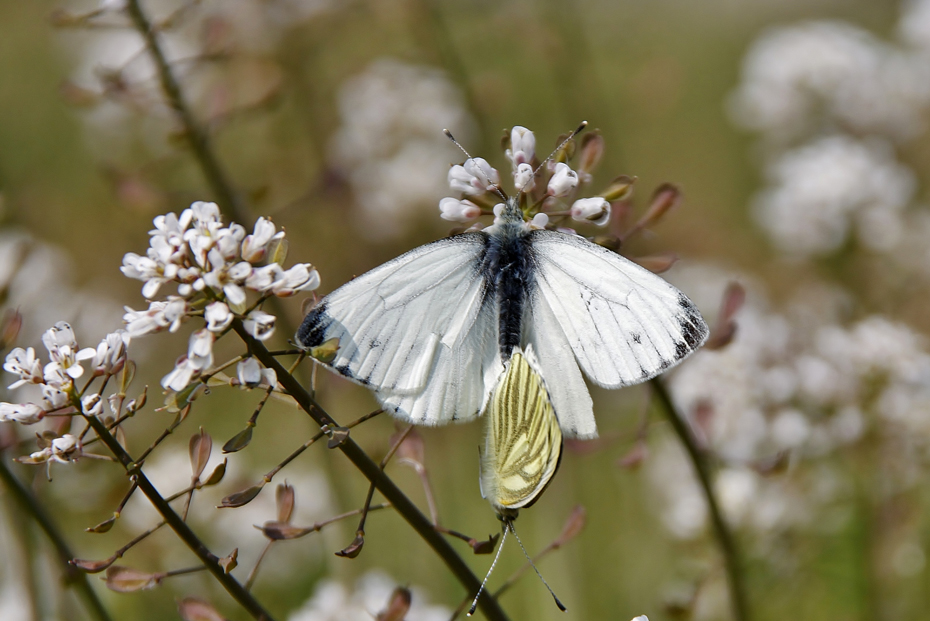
(524, 442)
(623, 323)
(405, 329)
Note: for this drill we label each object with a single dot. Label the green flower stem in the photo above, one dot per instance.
(196, 137)
(179, 526)
(73, 576)
(372, 471)
(722, 531)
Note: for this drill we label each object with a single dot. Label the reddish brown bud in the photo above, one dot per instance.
(485, 546)
(592, 149)
(192, 609)
(573, 526)
(230, 562)
(103, 526)
(657, 263)
(354, 548)
(200, 447)
(241, 498)
(284, 498)
(93, 567)
(398, 606)
(127, 580)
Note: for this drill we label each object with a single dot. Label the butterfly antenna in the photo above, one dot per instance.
(510, 524)
(468, 155)
(577, 131)
(474, 604)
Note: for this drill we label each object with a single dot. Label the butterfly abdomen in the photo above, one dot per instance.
(508, 268)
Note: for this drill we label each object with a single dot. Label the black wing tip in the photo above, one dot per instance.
(312, 329)
(693, 328)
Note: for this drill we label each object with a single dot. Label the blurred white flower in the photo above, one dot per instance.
(389, 143)
(332, 601)
(522, 147)
(799, 78)
(818, 191)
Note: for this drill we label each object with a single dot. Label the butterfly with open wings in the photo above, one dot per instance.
(505, 320)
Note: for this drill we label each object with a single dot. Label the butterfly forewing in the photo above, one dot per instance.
(623, 323)
(524, 440)
(416, 331)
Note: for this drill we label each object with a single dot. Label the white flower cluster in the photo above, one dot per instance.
(56, 378)
(332, 601)
(819, 190)
(798, 381)
(830, 100)
(389, 144)
(213, 266)
(479, 182)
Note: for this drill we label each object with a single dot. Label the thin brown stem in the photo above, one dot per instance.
(404, 506)
(722, 531)
(179, 526)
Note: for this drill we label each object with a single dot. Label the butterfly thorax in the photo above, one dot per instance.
(508, 268)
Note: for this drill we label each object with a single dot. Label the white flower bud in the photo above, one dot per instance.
(522, 146)
(595, 210)
(253, 247)
(24, 413)
(300, 277)
(111, 352)
(92, 404)
(475, 177)
(456, 210)
(563, 181)
(523, 178)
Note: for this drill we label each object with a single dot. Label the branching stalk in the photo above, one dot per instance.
(404, 506)
(722, 531)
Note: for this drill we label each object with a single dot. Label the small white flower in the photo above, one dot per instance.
(63, 349)
(111, 352)
(254, 245)
(522, 146)
(56, 377)
(205, 214)
(539, 221)
(563, 181)
(218, 316)
(476, 176)
(458, 210)
(200, 349)
(65, 449)
(159, 316)
(259, 324)
(23, 362)
(249, 372)
(92, 404)
(23, 413)
(595, 210)
(523, 178)
(300, 277)
(179, 378)
(54, 398)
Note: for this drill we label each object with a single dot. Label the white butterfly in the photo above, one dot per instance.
(431, 331)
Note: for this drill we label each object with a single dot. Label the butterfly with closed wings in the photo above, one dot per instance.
(504, 320)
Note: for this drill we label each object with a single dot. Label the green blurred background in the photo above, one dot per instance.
(89, 157)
